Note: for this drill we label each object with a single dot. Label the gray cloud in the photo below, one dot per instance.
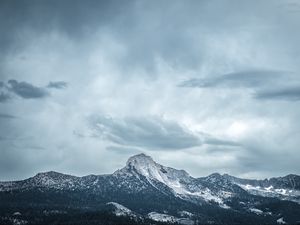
(288, 94)
(266, 84)
(26, 90)
(247, 78)
(57, 84)
(150, 133)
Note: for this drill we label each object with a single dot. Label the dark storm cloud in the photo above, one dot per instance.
(247, 78)
(288, 94)
(150, 133)
(57, 84)
(26, 90)
(132, 25)
(71, 17)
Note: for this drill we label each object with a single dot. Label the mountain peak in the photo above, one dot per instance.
(144, 165)
(139, 160)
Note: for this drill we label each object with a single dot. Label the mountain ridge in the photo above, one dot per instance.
(144, 155)
(155, 191)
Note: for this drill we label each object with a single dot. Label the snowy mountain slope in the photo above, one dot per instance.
(144, 165)
(285, 188)
(178, 181)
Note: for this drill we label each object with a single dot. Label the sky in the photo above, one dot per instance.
(205, 86)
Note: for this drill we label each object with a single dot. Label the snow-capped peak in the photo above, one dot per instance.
(140, 161)
(144, 165)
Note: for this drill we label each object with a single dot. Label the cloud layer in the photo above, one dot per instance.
(206, 86)
(149, 133)
(290, 93)
(247, 78)
(267, 84)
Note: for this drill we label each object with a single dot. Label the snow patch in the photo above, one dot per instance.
(207, 195)
(280, 221)
(256, 211)
(120, 210)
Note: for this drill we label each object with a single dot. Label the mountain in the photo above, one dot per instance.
(145, 192)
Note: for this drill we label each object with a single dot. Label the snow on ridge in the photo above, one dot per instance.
(285, 194)
(270, 189)
(120, 210)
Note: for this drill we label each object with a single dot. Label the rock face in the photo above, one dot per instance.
(146, 189)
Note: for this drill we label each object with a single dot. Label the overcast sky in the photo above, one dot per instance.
(206, 86)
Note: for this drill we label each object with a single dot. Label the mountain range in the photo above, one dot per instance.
(145, 192)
